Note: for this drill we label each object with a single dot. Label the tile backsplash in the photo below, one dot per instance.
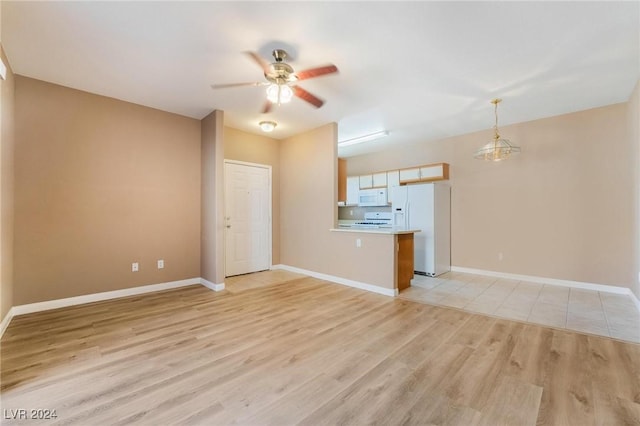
(344, 212)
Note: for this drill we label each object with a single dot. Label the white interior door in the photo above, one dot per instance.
(247, 218)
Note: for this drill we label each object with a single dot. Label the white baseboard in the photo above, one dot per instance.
(98, 297)
(5, 321)
(635, 300)
(107, 295)
(552, 281)
(212, 286)
(340, 280)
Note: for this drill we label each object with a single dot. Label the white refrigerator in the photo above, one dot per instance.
(426, 207)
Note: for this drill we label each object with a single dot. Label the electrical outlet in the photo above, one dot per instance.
(500, 257)
(358, 242)
(350, 212)
(134, 267)
(160, 264)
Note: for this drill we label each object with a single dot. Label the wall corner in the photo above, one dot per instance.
(212, 198)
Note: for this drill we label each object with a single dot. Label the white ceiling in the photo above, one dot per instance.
(422, 70)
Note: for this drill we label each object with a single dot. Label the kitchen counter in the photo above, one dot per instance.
(402, 240)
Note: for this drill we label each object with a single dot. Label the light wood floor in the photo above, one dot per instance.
(308, 352)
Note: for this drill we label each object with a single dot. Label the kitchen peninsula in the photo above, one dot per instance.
(401, 242)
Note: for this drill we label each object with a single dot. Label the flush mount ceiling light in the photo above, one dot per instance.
(365, 138)
(497, 149)
(267, 126)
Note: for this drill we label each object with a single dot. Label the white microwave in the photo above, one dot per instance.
(372, 197)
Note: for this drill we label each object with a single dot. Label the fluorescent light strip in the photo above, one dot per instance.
(365, 138)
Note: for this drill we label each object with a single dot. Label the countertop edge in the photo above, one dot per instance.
(387, 231)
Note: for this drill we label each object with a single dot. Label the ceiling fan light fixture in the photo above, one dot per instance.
(273, 92)
(279, 93)
(282, 79)
(285, 94)
(497, 149)
(267, 126)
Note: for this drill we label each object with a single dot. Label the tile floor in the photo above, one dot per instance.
(588, 311)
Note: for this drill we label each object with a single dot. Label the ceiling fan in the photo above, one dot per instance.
(281, 79)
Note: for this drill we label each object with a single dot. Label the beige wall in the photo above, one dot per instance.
(633, 119)
(242, 146)
(309, 195)
(101, 183)
(561, 209)
(212, 190)
(7, 188)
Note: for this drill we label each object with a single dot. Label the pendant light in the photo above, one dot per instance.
(497, 149)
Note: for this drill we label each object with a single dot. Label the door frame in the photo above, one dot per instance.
(224, 186)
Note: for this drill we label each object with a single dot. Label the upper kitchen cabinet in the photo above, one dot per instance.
(410, 175)
(438, 171)
(393, 178)
(353, 189)
(426, 173)
(366, 181)
(380, 180)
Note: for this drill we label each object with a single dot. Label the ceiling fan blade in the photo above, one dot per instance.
(267, 107)
(226, 86)
(263, 64)
(316, 72)
(306, 96)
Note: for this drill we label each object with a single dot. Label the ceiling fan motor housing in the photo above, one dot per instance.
(279, 55)
(280, 72)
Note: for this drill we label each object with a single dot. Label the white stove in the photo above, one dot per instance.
(375, 220)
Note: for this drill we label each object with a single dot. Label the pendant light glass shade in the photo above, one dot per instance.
(279, 93)
(497, 149)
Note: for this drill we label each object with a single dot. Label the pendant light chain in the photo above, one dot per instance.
(495, 111)
(495, 128)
